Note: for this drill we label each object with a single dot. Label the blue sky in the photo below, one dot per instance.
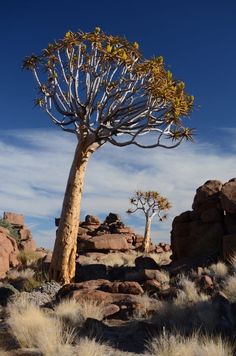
(196, 39)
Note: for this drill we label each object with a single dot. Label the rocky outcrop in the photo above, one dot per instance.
(210, 228)
(8, 252)
(25, 239)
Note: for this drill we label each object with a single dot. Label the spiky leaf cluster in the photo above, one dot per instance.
(92, 83)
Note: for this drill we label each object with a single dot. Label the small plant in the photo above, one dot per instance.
(13, 233)
(152, 204)
(29, 258)
(178, 345)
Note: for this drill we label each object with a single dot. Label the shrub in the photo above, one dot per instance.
(29, 258)
(229, 288)
(33, 328)
(76, 312)
(178, 345)
(13, 233)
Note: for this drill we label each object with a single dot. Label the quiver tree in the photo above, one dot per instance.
(100, 88)
(151, 204)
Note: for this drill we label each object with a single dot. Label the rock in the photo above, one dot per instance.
(229, 246)
(116, 242)
(207, 195)
(82, 231)
(6, 291)
(65, 290)
(212, 215)
(152, 286)
(112, 218)
(8, 252)
(228, 197)
(122, 287)
(205, 283)
(230, 223)
(142, 262)
(92, 220)
(17, 220)
(92, 271)
(110, 310)
(25, 234)
(27, 246)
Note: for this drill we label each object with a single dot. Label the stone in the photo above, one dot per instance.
(110, 310)
(112, 218)
(206, 195)
(25, 234)
(116, 242)
(205, 283)
(229, 246)
(17, 220)
(230, 223)
(152, 286)
(86, 285)
(228, 197)
(8, 253)
(142, 262)
(27, 246)
(92, 220)
(122, 287)
(212, 215)
(92, 271)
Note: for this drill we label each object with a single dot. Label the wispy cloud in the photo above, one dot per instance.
(34, 165)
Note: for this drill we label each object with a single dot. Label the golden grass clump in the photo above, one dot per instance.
(229, 288)
(34, 329)
(177, 345)
(188, 292)
(76, 312)
(91, 347)
(218, 270)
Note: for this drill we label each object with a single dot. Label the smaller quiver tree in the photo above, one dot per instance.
(152, 204)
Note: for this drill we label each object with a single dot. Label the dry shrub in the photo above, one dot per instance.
(91, 347)
(229, 288)
(232, 261)
(27, 273)
(147, 306)
(195, 345)
(76, 312)
(188, 292)
(161, 258)
(218, 270)
(33, 328)
(29, 258)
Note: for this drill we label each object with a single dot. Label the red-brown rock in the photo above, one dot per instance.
(28, 246)
(8, 252)
(25, 234)
(228, 197)
(122, 287)
(115, 242)
(207, 195)
(16, 220)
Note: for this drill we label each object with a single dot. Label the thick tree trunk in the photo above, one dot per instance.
(147, 235)
(62, 266)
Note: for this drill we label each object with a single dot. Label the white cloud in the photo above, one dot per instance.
(35, 165)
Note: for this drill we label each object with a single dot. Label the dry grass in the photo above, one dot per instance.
(29, 258)
(195, 345)
(27, 273)
(218, 270)
(77, 312)
(33, 328)
(119, 259)
(188, 292)
(229, 288)
(232, 261)
(91, 347)
(147, 306)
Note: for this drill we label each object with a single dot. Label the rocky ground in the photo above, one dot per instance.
(124, 302)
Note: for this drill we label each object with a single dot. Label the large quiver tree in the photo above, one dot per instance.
(101, 89)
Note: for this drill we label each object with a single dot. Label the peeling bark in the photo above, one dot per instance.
(62, 266)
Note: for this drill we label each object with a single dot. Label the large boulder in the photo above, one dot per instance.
(106, 242)
(208, 229)
(8, 252)
(228, 196)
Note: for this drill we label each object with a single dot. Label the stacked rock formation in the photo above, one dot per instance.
(110, 236)
(25, 241)
(210, 228)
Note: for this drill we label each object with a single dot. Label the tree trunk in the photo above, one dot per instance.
(62, 266)
(147, 235)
